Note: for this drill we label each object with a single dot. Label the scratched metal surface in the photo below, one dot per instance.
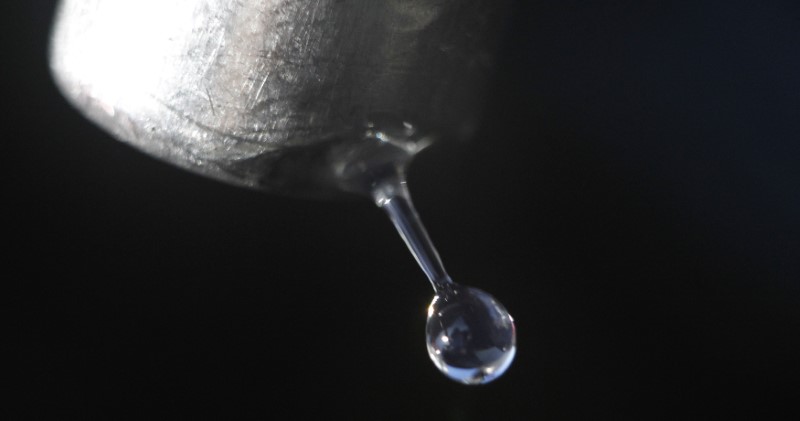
(250, 91)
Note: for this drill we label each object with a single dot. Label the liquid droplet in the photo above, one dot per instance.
(470, 336)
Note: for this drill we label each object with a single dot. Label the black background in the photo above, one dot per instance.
(632, 197)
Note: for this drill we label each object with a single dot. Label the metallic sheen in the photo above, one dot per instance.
(254, 92)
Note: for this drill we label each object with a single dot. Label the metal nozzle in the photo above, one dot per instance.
(254, 92)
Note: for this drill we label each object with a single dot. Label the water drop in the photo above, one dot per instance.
(470, 336)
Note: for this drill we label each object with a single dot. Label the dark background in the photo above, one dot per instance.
(632, 197)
